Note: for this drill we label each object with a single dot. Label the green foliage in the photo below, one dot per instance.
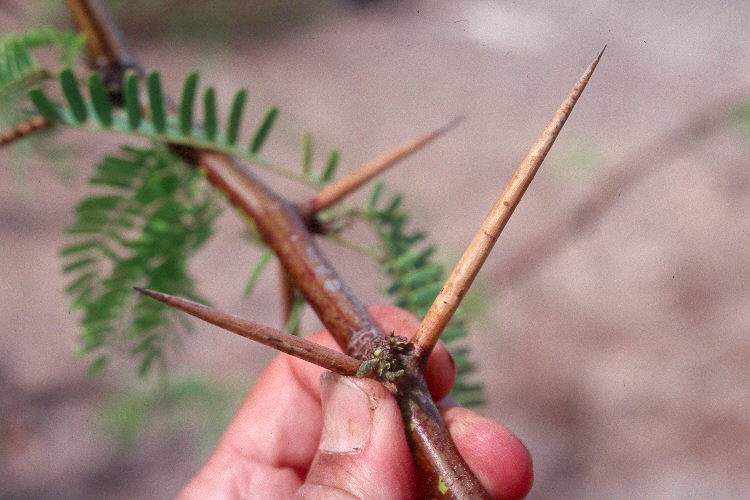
(742, 116)
(147, 408)
(19, 69)
(154, 216)
(415, 281)
(94, 111)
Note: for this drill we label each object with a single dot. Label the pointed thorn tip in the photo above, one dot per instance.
(161, 297)
(453, 123)
(601, 52)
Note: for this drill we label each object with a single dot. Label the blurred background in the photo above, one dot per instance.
(612, 323)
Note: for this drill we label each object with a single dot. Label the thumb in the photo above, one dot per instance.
(362, 452)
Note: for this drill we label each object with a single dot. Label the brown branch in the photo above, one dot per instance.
(622, 176)
(476, 253)
(26, 128)
(271, 337)
(336, 191)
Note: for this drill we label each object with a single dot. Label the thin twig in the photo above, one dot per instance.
(271, 337)
(336, 191)
(476, 253)
(28, 127)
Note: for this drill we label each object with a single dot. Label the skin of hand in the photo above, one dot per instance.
(309, 434)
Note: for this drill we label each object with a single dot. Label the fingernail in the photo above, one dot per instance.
(347, 416)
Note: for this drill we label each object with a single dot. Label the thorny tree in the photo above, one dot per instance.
(289, 230)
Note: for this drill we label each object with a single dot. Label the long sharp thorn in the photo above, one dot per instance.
(336, 191)
(295, 346)
(476, 253)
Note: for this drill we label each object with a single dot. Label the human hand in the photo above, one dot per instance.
(302, 435)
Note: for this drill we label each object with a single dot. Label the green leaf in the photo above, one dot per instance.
(132, 99)
(156, 102)
(330, 169)
(142, 235)
(395, 203)
(235, 116)
(73, 95)
(257, 272)
(100, 100)
(295, 315)
(79, 247)
(96, 366)
(46, 108)
(372, 202)
(105, 202)
(265, 128)
(307, 154)
(189, 87)
(423, 276)
(209, 112)
(148, 360)
(78, 264)
(81, 283)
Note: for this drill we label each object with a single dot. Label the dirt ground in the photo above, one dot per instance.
(614, 337)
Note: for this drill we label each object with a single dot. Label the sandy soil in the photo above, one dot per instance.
(619, 354)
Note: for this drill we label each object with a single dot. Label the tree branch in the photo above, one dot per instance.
(476, 253)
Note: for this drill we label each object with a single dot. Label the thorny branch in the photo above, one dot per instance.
(284, 228)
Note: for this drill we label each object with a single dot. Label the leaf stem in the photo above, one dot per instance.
(23, 129)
